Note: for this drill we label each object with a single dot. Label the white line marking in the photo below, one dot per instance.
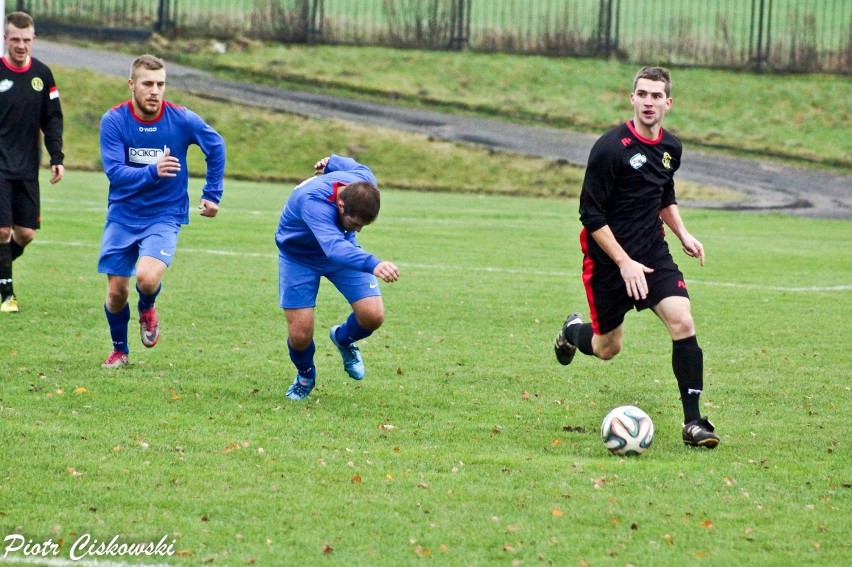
(491, 269)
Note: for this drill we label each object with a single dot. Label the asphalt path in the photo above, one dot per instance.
(767, 185)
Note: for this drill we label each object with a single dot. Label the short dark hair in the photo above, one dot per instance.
(655, 74)
(20, 20)
(361, 200)
(150, 62)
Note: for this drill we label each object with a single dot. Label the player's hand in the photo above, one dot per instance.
(208, 208)
(319, 167)
(168, 165)
(386, 272)
(56, 171)
(633, 274)
(693, 248)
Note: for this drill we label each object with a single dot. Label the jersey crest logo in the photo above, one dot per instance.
(37, 84)
(667, 160)
(626, 141)
(5, 85)
(638, 161)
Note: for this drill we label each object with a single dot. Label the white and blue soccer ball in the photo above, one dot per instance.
(627, 430)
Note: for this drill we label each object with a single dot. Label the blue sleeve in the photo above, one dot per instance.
(124, 180)
(322, 221)
(213, 146)
(340, 163)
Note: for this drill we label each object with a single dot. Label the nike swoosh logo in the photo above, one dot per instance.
(164, 253)
(372, 285)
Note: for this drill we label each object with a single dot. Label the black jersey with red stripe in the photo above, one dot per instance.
(29, 103)
(629, 179)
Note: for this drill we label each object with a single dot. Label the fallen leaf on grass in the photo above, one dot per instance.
(557, 513)
(80, 390)
(327, 549)
(422, 551)
(706, 524)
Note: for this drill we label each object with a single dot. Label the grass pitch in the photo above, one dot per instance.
(467, 443)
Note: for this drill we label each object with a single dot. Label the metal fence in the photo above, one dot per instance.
(779, 35)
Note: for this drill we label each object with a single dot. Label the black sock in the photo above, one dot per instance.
(16, 249)
(5, 271)
(688, 366)
(581, 337)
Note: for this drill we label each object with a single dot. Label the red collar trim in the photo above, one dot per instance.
(632, 128)
(14, 69)
(336, 187)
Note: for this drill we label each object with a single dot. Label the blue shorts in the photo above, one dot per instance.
(122, 245)
(298, 284)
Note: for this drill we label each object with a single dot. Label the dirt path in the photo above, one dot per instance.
(767, 185)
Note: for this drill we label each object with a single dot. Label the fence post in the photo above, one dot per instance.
(604, 37)
(460, 24)
(164, 23)
(757, 56)
(315, 19)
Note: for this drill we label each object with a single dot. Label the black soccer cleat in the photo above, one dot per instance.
(699, 433)
(565, 351)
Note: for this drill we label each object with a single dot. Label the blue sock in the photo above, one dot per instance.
(146, 301)
(304, 360)
(351, 331)
(118, 328)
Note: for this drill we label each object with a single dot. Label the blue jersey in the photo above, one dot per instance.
(310, 231)
(130, 148)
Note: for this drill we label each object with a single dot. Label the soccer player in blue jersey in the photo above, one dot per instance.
(316, 237)
(144, 142)
(628, 194)
(29, 106)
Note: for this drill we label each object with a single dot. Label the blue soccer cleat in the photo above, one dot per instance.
(352, 361)
(300, 388)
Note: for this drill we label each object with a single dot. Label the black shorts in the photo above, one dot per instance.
(607, 292)
(19, 203)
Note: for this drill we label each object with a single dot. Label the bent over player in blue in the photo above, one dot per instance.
(317, 237)
(144, 142)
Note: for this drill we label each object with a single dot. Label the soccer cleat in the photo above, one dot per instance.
(9, 305)
(149, 327)
(116, 359)
(699, 433)
(300, 388)
(352, 361)
(565, 351)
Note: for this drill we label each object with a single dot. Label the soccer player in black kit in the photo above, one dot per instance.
(627, 196)
(29, 102)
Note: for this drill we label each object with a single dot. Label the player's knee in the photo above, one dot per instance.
(23, 236)
(683, 326)
(370, 313)
(147, 283)
(299, 340)
(116, 298)
(5, 234)
(371, 320)
(607, 350)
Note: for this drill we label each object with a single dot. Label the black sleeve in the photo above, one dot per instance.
(597, 186)
(51, 120)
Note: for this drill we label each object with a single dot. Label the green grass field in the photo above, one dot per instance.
(467, 444)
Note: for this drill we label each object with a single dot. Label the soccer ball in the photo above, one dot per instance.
(627, 430)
